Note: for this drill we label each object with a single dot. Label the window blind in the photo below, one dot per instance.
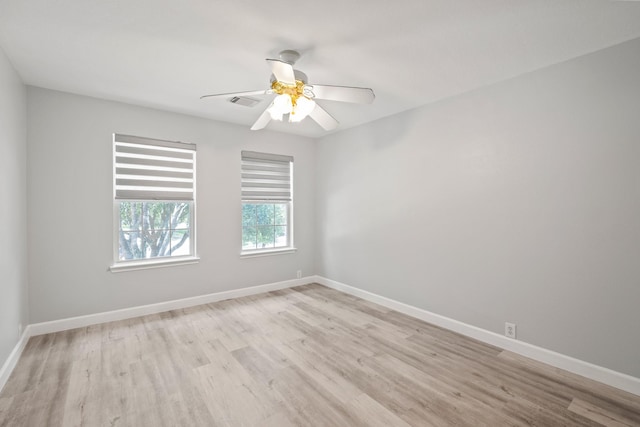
(152, 169)
(266, 177)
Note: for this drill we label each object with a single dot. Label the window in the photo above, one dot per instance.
(264, 225)
(266, 202)
(154, 202)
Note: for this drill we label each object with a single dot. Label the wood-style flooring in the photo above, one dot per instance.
(306, 356)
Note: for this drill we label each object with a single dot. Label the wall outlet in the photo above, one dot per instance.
(299, 274)
(510, 330)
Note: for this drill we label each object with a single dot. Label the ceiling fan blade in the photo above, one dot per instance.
(231, 95)
(283, 71)
(323, 118)
(359, 95)
(263, 120)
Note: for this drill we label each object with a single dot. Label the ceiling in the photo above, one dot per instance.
(165, 54)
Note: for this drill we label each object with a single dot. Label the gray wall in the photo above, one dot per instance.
(71, 205)
(13, 209)
(517, 202)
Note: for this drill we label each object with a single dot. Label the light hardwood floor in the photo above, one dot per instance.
(308, 356)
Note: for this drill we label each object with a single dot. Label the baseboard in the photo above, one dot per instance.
(12, 360)
(127, 313)
(598, 373)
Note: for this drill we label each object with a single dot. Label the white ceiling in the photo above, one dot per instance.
(166, 53)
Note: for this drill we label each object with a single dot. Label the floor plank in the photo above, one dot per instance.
(601, 415)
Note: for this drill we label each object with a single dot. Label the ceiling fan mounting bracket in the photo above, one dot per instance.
(289, 56)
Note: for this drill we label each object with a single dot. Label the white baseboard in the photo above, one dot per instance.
(598, 373)
(142, 310)
(12, 360)
(127, 313)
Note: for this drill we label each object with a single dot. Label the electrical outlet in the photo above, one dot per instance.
(510, 330)
(299, 274)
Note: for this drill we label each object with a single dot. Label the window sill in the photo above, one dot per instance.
(147, 264)
(267, 252)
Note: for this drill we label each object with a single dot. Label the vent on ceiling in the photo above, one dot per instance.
(243, 100)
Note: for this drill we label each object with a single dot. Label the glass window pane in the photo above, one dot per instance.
(264, 214)
(248, 238)
(157, 242)
(248, 214)
(146, 230)
(180, 243)
(131, 245)
(265, 225)
(144, 247)
(157, 215)
(280, 235)
(181, 216)
(265, 236)
(130, 216)
(280, 214)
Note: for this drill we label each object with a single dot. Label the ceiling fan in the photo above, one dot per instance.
(296, 98)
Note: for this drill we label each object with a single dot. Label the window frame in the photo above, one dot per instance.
(290, 248)
(156, 262)
(273, 250)
(145, 263)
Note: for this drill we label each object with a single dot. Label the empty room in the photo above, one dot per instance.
(411, 213)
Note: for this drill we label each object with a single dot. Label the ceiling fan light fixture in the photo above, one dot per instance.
(304, 106)
(275, 116)
(282, 105)
(292, 100)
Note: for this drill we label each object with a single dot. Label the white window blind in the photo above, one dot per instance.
(152, 169)
(266, 177)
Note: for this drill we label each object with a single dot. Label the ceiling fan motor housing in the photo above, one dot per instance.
(300, 76)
